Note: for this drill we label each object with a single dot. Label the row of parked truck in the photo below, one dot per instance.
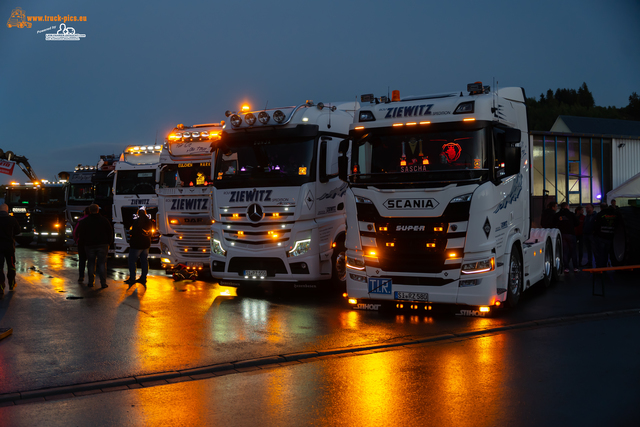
(417, 201)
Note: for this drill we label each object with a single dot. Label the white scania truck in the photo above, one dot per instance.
(184, 196)
(278, 202)
(134, 186)
(438, 206)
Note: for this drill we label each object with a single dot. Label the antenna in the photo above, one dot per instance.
(265, 105)
(156, 137)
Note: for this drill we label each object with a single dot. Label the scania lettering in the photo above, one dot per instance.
(278, 203)
(438, 205)
(134, 186)
(184, 196)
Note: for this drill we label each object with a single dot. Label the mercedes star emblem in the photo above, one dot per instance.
(255, 212)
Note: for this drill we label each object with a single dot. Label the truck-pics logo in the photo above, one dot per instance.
(188, 204)
(18, 19)
(410, 203)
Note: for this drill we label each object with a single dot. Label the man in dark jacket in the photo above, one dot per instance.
(548, 215)
(139, 244)
(587, 233)
(82, 253)
(566, 222)
(97, 234)
(606, 223)
(9, 228)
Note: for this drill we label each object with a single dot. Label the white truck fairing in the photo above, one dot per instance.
(438, 201)
(184, 195)
(134, 186)
(278, 203)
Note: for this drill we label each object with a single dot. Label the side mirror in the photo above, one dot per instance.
(322, 175)
(343, 161)
(513, 136)
(512, 160)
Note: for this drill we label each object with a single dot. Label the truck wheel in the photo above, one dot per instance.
(557, 260)
(339, 266)
(24, 241)
(548, 264)
(514, 280)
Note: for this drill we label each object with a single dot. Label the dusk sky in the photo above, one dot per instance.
(143, 68)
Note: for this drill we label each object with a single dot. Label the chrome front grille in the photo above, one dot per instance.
(273, 229)
(193, 242)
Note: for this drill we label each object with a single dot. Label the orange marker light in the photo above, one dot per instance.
(391, 244)
(235, 215)
(245, 107)
(412, 124)
(469, 119)
(359, 127)
(395, 125)
(425, 161)
(425, 123)
(403, 163)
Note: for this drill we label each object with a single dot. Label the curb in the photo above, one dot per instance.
(211, 371)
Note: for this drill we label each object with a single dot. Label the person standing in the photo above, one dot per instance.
(97, 234)
(579, 233)
(587, 233)
(605, 226)
(82, 254)
(566, 223)
(9, 228)
(139, 244)
(548, 215)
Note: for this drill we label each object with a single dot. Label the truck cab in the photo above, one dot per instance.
(184, 196)
(21, 199)
(49, 214)
(134, 186)
(278, 205)
(438, 206)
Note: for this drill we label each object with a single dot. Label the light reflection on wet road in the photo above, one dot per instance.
(528, 377)
(123, 331)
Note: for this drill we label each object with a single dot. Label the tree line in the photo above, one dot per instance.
(544, 111)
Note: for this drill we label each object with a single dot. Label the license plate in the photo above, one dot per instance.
(51, 239)
(194, 264)
(255, 273)
(380, 286)
(412, 296)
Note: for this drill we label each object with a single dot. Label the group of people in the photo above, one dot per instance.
(593, 231)
(93, 234)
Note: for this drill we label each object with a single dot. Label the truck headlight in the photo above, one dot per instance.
(216, 246)
(164, 249)
(462, 199)
(300, 247)
(479, 266)
(355, 263)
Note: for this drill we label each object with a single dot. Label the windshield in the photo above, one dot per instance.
(51, 197)
(80, 194)
(136, 181)
(20, 197)
(388, 156)
(260, 162)
(188, 174)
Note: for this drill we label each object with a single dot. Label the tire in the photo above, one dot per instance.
(548, 264)
(515, 277)
(557, 260)
(24, 241)
(339, 266)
